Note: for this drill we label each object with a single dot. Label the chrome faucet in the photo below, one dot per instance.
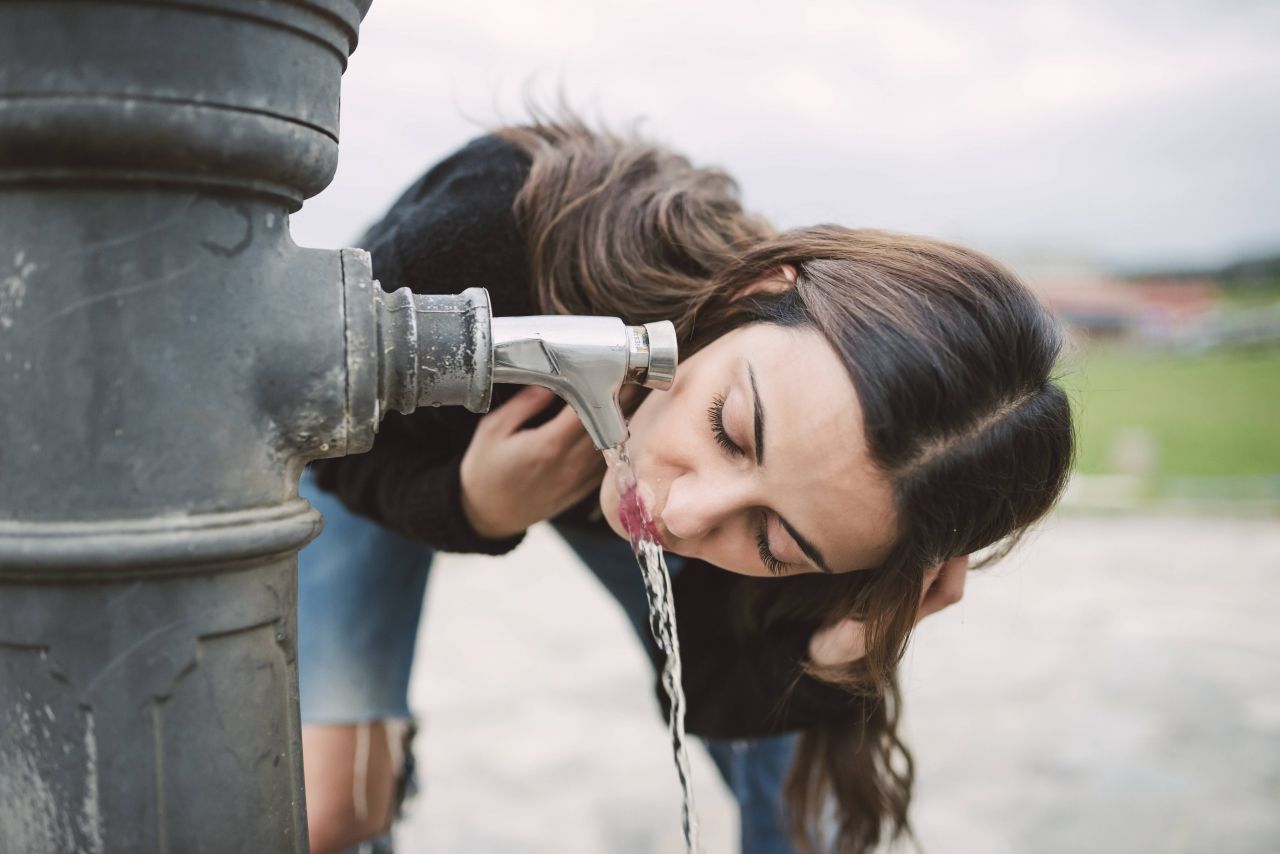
(449, 350)
(585, 360)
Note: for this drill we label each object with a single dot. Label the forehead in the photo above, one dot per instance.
(818, 469)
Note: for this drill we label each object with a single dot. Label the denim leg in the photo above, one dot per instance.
(360, 594)
(753, 769)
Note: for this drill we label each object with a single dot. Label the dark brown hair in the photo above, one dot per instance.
(952, 359)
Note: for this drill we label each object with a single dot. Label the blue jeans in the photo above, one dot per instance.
(352, 668)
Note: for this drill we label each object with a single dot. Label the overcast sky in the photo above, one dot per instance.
(1131, 133)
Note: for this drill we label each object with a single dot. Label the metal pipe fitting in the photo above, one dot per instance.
(436, 350)
(449, 351)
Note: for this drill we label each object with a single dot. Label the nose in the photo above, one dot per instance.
(697, 506)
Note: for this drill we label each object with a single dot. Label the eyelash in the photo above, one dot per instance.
(715, 413)
(770, 562)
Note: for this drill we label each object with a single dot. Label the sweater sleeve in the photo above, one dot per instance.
(453, 229)
(406, 488)
(744, 685)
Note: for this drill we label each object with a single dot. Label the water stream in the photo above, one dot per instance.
(662, 620)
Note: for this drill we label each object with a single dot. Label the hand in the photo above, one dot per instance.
(846, 640)
(512, 478)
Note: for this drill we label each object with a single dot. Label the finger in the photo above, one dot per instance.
(562, 431)
(582, 467)
(584, 448)
(930, 576)
(585, 487)
(630, 397)
(580, 451)
(572, 487)
(955, 570)
(926, 588)
(526, 403)
(595, 467)
(838, 644)
(948, 587)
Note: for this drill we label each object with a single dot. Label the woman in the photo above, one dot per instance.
(855, 413)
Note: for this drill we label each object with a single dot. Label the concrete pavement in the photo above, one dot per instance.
(1114, 686)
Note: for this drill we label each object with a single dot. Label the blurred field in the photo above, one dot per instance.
(1207, 415)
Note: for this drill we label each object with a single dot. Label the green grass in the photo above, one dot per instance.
(1214, 415)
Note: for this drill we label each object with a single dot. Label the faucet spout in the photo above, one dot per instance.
(586, 361)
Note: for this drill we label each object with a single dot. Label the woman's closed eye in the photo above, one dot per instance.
(715, 413)
(770, 562)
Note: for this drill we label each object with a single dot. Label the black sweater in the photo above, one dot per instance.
(454, 229)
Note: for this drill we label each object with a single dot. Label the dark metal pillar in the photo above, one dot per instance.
(169, 361)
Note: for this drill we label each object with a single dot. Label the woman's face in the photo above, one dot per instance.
(755, 460)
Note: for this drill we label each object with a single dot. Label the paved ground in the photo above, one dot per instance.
(1114, 687)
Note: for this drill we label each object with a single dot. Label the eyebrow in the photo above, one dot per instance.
(806, 546)
(809, 549)
(759, 408)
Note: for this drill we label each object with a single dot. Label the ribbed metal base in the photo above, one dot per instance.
(118, 693)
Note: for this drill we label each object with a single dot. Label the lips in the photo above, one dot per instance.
(648, 501)
(633, 513)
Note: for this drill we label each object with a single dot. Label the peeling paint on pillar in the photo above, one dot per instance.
(13, 289)
(42, 808)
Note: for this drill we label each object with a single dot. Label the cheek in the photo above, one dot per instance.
(665, 416)
(645, 423)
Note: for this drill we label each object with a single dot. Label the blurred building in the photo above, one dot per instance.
(1096, 304)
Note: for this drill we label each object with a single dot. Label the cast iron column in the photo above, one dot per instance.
(169, 361)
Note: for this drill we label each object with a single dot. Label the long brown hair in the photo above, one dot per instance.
(952, 359)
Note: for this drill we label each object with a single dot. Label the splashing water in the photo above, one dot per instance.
(662, 620)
